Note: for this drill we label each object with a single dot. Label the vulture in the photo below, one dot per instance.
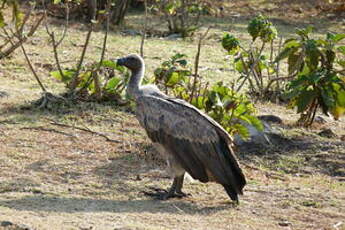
(187, 138)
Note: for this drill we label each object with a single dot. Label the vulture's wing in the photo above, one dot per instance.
(199, 143)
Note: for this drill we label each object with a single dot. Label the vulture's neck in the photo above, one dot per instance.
(133, 88)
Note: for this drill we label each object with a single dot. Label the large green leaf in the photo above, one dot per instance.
(341, 49)
(304, 33)
(239, 66)
(255, 122)
(313, 53)
(112, 83)
(327, 96)
(305, 99)
(335, 37)
(174, 78)
(198, 102)
(293, 64)
(241, 130)
(340, 94)
(285, 53)
(17, 15)
(2, 20)
(109, 64)
(65, 77)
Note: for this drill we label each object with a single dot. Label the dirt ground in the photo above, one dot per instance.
(58, 171)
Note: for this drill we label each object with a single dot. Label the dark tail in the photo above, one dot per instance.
(236, 177)
(231, 193)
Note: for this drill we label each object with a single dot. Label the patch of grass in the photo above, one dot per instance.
(289, 164)
(311, 203)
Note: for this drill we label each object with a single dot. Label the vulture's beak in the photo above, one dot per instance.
(120, 61)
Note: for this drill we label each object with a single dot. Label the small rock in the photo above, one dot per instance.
(255, 136)
(320, 120)
(3, 94)
(5, 223)
(174, 36)
(131, 32)
(327, 133)
(271, 118)
(342, 138)
(284, 223)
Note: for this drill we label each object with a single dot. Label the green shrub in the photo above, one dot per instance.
(102, 82)
(255, 68)
(320, 82)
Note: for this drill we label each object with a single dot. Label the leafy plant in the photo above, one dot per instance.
(109, 84)
(261, 27)
(173, 74)
(255, 68)
(232, 110)
(320, 82)
(182, 16)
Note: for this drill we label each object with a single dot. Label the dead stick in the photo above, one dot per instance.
(268, 174)
(84, 129)
(50, 130)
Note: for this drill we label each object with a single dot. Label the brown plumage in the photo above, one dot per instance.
(190, 140)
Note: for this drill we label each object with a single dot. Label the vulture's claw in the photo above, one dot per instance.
(163, 194)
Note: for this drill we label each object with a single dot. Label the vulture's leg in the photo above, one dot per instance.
(177, 172)
(174, 191)
(176, 188)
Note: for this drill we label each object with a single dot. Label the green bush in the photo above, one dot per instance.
(320, 82)
(102, 82)
(256, 68)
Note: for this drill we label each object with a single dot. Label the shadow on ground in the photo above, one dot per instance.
(298, 154)
(72, 205)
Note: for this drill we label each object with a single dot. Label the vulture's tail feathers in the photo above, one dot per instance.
(236, 177)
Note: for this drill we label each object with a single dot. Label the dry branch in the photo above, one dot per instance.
(196, 63)
(32, 69)
(21, 39)
(267, 174)
(144, 31)
(52, 37)
(76, 75)
(86, 129)
(50, 130)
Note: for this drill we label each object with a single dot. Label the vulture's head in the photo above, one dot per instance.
(133, 62)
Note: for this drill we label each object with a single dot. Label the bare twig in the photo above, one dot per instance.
(196, 63)
(19, 35)
(94, 74)
(279, 79)
(65, 27)
(144, 31)
(50, 130)
(52, 36)
(106, 34)
(84, 129)
(32, 69)
(76, 74)
(267, 174)
(278, 63)
(21, 39)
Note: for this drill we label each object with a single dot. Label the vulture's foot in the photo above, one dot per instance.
(163, 194)
(174, 191)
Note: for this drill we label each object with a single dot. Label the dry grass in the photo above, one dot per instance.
(55, 177)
